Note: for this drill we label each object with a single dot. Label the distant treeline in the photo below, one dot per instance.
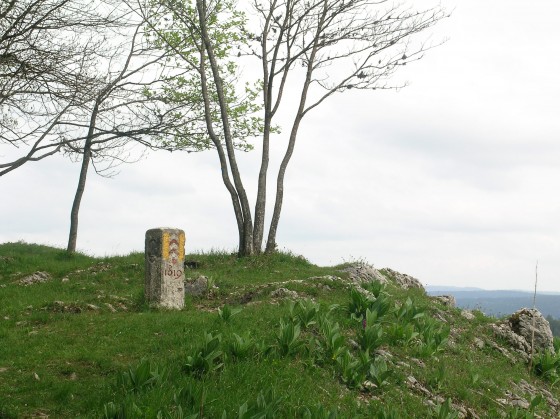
(554, 325)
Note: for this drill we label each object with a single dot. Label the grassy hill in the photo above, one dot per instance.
(273, 336)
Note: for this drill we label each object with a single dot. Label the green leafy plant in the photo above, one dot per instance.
(240, 347)
(226, 313)
(334, 343)
(547, 365)
(379, 373)
(120, 410)
(304, 312)
(474, 378)
(175, 413)
(437, 377)
(318, 412)
(384, 413)
(207, 358)
(146, 374)
(375, 287)
(267, 405)
(358, 304)
(370, 337)
(287, 338)
(408, 312)
(556, 344)
(351, 369)
(433, 335)
(402, 334)
(190, 397)
(445, 411)
(381, 306)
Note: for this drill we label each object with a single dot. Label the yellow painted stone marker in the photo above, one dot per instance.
(165, 274)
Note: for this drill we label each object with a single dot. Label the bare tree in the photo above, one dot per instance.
(314, 47)
(47, 48)
(123, 110)
(80, 78)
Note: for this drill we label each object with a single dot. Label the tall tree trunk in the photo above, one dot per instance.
(268, 79)
(246, 243)
(73, 236)
(260, 204)
(271, 241)
(86, 160)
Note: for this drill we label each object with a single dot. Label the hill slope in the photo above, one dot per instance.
(271, 336)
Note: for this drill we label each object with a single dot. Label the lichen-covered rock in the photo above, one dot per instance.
(198, 286)
(523, 322)
(404, 281)
(517, 342)
(363, 272)
(284, 293)
(446, 300)
(467, 314)
(518, 331)
(330, 278)
(35, 278)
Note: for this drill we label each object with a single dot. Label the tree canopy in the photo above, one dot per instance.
(315, 48)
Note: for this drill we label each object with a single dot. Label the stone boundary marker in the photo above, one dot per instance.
(165, 275)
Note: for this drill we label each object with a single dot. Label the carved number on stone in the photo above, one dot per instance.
(174, 273)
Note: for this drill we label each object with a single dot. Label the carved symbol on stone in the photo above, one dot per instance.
(174, 249)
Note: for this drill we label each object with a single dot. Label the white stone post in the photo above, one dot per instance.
(165, 274)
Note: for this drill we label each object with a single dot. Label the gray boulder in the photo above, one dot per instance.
(199, 286)
(362, 272)
(521, 322)
(517, 330)
(35, 278)
(446, 300)
(405, 281)
(284, 293)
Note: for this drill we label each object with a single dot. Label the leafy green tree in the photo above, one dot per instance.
(313, 47)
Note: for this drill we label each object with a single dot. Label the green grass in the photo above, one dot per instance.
(85, 344)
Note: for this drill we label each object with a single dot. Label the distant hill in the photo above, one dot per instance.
(500, 302)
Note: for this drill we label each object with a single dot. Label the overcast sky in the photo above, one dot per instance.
(454, 180)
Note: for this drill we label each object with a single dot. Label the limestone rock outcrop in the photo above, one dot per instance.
(35, 278)
(446, 300)
(405, 281)
(519, 331)
(521, 322)
(362, 272)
